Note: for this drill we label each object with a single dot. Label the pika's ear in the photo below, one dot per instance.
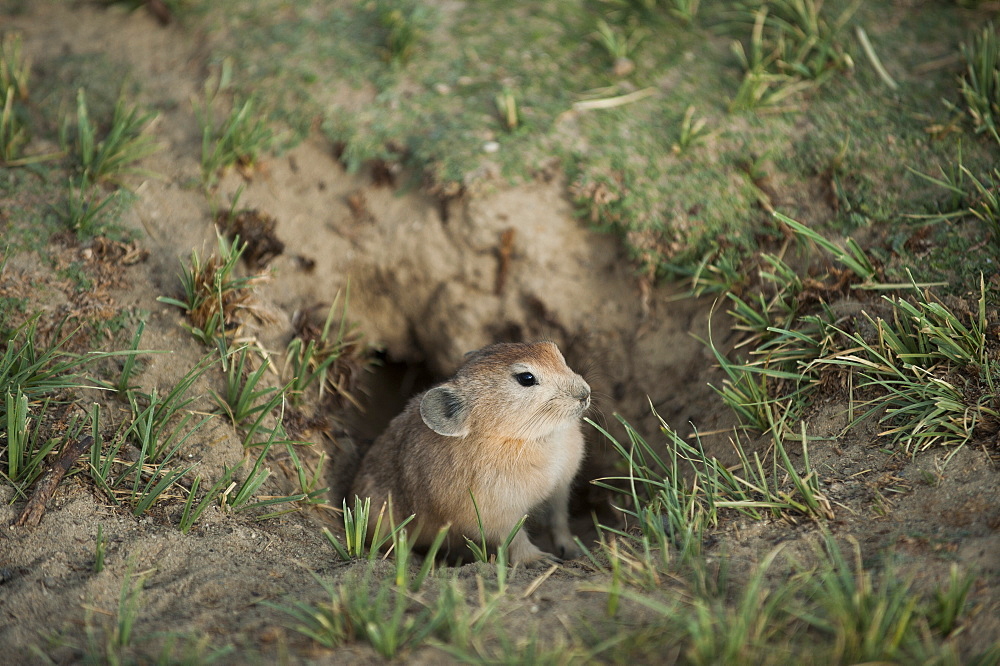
(445, 412)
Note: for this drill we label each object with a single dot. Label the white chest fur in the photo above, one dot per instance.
(527, 472)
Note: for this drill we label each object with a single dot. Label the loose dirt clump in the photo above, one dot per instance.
(256, 229)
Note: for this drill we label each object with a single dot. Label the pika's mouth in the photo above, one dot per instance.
(570, 407)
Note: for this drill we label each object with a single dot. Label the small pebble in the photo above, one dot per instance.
(491, 147)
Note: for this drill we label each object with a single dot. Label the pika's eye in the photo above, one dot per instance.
(525, 379)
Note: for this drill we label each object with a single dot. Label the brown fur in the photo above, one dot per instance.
(515, 447)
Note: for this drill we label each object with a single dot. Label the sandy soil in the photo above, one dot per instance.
(429, 280)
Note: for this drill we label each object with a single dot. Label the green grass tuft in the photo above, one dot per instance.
(403, 26)
(24, 452)
(89, 213)
(932, 371)
(240, 139)
(375, 611)
(356, 531)
(216, 299)
(100, 548)
(242, 398)
(35, 373)
(15, 66)
(980, 84)
(110, 157)
(13, 129)
(315, 358)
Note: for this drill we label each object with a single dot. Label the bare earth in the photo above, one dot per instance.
(428, 281)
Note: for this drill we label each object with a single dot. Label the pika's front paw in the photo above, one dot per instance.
(566, 549)
(543, 562)
(525, 553)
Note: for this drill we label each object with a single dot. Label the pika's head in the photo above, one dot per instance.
(521, 390)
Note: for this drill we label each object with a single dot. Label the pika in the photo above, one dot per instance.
(506, 427)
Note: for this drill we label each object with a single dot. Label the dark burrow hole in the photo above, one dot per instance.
(391, 383)
(385, 390)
